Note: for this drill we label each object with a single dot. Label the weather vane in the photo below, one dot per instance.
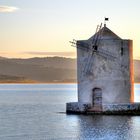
(105, 19)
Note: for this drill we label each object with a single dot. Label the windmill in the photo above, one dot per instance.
(104, 71)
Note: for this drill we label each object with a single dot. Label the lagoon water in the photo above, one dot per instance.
(35, 112)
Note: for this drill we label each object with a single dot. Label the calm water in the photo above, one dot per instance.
(32, 112)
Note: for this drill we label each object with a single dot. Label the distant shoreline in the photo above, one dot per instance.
(38, 82)
(45, 83)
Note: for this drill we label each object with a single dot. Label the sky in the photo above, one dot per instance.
(39, 28)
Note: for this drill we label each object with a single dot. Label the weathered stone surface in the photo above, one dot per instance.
(76, 107)
(121, 107)
(113, 77)
(107, 109)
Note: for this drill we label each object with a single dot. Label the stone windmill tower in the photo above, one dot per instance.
(105, 71)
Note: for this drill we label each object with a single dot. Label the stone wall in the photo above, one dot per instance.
(121, 107)
(76, 107)
(107, 109)
(112, 77)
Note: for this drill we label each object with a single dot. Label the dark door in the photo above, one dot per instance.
(97, 98)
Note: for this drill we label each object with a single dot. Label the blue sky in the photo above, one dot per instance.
(47, 25)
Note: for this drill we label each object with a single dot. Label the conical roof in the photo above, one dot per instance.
(105, 33)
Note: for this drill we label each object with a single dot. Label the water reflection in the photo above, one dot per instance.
(135, 128)
(106, 127)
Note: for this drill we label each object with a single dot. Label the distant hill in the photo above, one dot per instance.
(48, 69)
(53, 62)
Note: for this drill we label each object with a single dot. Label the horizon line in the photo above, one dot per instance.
(1, 57)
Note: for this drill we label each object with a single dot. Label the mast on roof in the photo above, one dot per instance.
(105, 19)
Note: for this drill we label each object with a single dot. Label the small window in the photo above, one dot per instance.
(122, 51)
(95, 47)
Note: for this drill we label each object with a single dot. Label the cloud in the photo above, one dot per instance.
(7, 9)
(70, 54)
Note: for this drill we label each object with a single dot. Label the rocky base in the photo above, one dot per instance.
(77, 108)
(107, 109)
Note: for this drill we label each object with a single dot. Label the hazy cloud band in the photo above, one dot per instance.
(7, 9)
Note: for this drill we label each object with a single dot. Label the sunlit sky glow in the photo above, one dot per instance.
(31, 28)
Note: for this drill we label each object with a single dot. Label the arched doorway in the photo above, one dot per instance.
(97, 99)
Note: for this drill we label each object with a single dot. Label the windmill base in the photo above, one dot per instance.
(107, 109)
